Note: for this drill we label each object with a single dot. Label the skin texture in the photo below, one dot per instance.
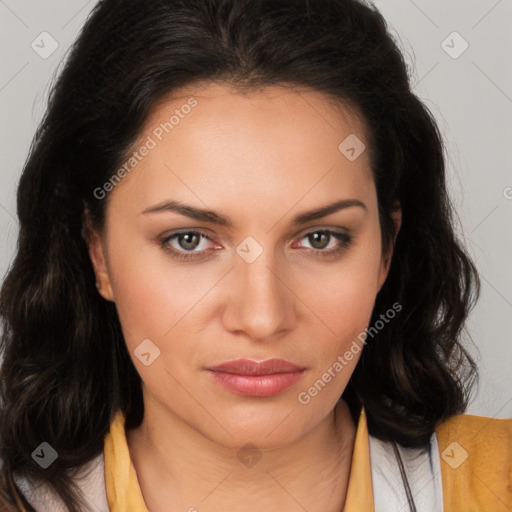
(260, 159)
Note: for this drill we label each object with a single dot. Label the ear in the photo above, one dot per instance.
(97, 252)
(396, 215)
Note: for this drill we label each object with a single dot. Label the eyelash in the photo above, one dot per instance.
(345, 240)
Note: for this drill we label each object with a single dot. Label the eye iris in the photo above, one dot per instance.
(318, 240)
(191, 240)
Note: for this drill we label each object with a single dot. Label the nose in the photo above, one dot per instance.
(260, 303)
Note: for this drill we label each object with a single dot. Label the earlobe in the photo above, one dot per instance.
(384, 270)
(97, 255)
(396, 215)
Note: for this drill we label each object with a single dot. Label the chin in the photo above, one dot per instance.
(267, 427)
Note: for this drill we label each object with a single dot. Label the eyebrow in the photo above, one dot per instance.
(215, 218)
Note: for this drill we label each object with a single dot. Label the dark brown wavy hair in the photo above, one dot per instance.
(66, 370)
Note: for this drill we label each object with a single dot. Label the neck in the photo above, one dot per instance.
(187, 471)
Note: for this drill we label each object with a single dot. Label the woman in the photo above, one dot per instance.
(237, 283)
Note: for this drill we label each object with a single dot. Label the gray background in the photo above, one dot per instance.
(469, 93)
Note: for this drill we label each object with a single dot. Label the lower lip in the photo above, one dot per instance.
(256, 385)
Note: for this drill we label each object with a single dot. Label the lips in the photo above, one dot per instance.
(249, 367)
(256, 378)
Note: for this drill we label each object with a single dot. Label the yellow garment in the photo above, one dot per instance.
(359, 492)
(483, 480)
(122, 486)
(476, 467)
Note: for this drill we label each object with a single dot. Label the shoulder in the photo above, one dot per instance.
(477, 439)
(469, 426)
(476, 460)
(90, 480)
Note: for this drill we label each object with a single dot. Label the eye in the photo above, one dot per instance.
(326, 242)
(193, 244)
(183, 245)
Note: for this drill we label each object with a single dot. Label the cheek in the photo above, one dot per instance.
(344, 305)
(344, 308)
(342, 296)
(158, 306)
(150, 298)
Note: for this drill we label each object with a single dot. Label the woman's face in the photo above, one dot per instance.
(251, 276)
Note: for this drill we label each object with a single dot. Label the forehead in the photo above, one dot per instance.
(288, 111)
(214, 141)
